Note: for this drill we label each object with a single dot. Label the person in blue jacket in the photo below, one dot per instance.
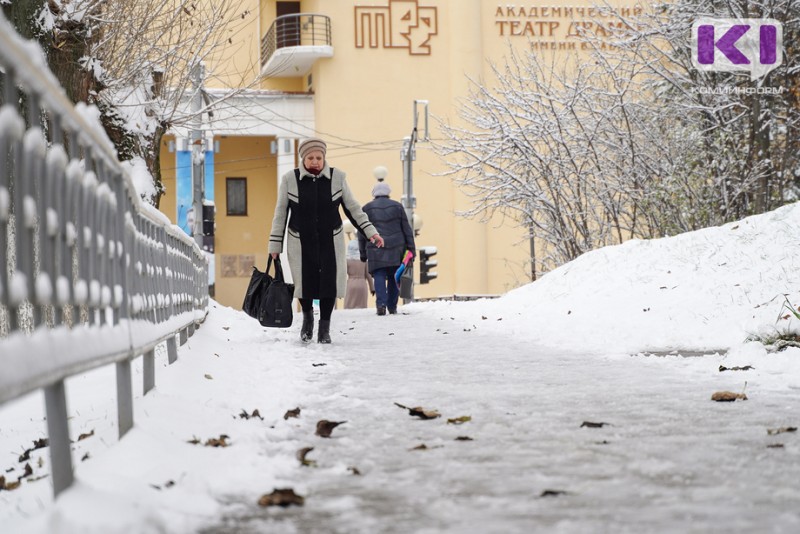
(389, 219)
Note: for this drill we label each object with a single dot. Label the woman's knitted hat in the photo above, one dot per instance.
(312, 143)
(381, 189)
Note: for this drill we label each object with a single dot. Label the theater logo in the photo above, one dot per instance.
(400, 24)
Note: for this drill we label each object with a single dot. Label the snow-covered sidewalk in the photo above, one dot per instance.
(667, 459)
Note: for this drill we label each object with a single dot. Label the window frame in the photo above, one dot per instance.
(228, 181)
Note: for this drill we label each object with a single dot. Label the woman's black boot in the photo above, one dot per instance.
(324, 332)
(307, 331)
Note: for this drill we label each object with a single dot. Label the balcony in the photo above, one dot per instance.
(293, 43)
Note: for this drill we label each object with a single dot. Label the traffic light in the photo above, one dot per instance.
(209, 211)
(426, 263)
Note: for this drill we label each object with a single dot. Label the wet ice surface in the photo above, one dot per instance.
(669, 459)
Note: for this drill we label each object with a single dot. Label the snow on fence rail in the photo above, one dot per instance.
(89, 274)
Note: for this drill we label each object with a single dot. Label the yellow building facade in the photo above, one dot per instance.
(349, 71)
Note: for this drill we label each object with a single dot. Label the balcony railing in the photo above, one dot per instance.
(293, 43)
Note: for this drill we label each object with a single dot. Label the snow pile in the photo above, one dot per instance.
(703, 290)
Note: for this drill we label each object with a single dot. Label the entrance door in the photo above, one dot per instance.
(287, 31)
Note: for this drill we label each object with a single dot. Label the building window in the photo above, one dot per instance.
(236, 195)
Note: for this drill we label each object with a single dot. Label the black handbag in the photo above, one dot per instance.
(268, 298)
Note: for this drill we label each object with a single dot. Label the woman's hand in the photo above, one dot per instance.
(376, 240)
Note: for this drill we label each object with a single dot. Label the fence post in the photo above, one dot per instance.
(124, 397)
(149, 370)
(172, 350)
(55, 400)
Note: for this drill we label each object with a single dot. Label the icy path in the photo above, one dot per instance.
(669, 460)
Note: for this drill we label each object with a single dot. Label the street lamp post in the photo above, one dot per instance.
(407, 155)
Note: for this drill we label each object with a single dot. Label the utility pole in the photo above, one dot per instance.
(407, 155)
(198, 154)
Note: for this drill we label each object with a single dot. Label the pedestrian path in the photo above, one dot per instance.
(555, 441)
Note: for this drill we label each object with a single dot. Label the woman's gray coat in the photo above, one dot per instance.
(315, 239)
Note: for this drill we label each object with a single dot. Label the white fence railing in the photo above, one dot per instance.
(89, 274)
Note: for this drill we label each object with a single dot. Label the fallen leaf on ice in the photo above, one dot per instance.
(464, 438)
(291, 413)
(737, 368)
(781, 430)
(84, 436)
(459, 420)
(325, 427)
(281, 497)
(419, 411)
(553, 493)
(591, 424)
(301, 455)
(354, 470)
(727, 396)
(208, 376)
(218, 442)
(245, 415)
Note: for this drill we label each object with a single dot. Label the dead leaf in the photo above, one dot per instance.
(553, 493)
(40, 462)
(25, 456)
(744, 368)
(354, 470)
(28, 471)
(420, 447)
(208, 376)
(281, 497)
(459, 420)
(775, 446)
(464, 438)
(11, 486)
(301, 455)
(420, 412)
(84, 436)
(727, 396)
(85, 457)
(226, 327)
(590, 424)
(2, 483)
(218, 442)
(40, 443)
(245, 415)
(781, 430)
(321, 364)
(325, 427)
(291, 413)
(194, 440)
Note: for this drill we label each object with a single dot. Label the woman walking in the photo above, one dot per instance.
(308, 203)
(359, 281)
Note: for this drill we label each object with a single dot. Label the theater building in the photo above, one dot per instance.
(350, 71)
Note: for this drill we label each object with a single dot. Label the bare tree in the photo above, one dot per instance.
(132, 59)
(627, 140)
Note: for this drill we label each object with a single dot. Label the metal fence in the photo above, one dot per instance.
(89, 274)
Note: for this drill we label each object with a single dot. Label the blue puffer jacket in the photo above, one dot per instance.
(389, 218)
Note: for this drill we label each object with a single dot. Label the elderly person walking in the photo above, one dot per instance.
(359, 282)
(309, 198)
(390, 219)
